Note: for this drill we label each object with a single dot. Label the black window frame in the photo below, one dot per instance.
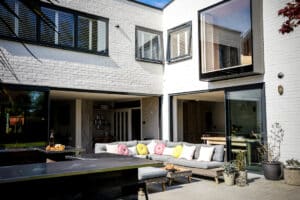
(175, 29)
(75, 13)
(232, 72)
(144, 29)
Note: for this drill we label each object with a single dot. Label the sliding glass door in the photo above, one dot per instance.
(245, 122)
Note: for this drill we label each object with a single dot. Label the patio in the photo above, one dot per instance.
(200, 188)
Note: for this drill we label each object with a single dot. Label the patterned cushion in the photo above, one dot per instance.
(159, 148)
(177, 151)
(123, 149)
(142, 149)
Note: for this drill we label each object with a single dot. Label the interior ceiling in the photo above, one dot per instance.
(217, 96)
(71, 95)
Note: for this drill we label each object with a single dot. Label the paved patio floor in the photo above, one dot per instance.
(206, 189)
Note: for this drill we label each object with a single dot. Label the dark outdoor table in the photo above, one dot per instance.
(92, 176)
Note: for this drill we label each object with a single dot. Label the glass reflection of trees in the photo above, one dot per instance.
(23, 116)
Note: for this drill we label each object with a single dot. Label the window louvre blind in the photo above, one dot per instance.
(27, 24)
(9, 19)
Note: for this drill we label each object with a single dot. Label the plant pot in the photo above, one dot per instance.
(272, 170)
(292, 176)
(241, 179)
(229, 178)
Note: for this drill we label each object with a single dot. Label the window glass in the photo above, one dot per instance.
(65, 29)
(149, 45)
(23, 116)
(91, 34)
(226, 39)
(27, 24)
(179, 45)
(8, 18)
(48, 33)
(64, 23)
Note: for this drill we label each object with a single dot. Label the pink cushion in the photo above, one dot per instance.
(123, 149)
(159, 148)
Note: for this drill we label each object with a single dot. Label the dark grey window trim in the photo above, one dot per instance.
(160, 33)
(75, 13)
(184, 57)
(232, 72)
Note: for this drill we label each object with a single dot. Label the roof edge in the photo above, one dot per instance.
(150, 6)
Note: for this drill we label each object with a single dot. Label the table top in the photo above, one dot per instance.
(68, 149)
(87, 164)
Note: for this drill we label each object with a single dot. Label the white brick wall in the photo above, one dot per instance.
(281, 55)
(68, 69)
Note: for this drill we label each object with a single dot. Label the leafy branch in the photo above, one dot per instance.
(292, 12)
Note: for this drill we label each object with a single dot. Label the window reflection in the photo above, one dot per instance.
(226, 39)
(23, 116)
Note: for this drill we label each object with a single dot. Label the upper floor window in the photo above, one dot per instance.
(71, 29)
(24, 27)
(91, 34)
(226, 39)
(149, 45)
(63, 34)
(179, 42)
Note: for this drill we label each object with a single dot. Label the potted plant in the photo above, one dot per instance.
(229, 173)
(240, 162)
(270, 153)
(292, 172)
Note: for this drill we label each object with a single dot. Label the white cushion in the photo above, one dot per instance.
(112, 148)
(132, 150)
(168, 151)
(187, 152)
(206, 153)
(151, 147)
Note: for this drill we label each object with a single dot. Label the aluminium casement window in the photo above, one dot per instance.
(225, 39)
(72, 30)
(149, 45)
(179, 42)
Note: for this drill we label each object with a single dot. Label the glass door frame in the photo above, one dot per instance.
(227, 114)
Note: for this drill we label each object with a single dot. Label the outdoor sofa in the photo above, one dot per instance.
(194, 156)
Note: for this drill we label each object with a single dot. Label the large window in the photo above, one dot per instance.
(72, 30)
(23, 116)
(149, 45)
(179, 42)
(226, 39)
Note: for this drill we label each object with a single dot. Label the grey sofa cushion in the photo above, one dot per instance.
(173, 144)
(218, 153)
(151, 172)
(127, 143)
(145, 141)
(163, 158)
(195, 163)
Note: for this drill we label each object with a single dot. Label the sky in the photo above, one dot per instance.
(155, 3)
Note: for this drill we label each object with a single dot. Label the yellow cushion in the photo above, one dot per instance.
(142, 149)
(177, 151)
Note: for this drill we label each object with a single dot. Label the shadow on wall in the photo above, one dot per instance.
(47, 53)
